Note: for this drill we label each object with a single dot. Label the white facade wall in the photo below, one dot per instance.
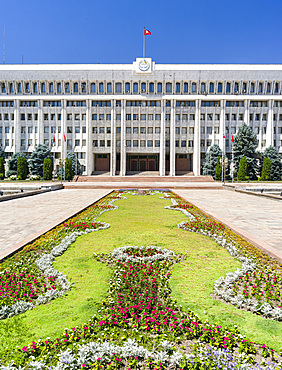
(140, 116)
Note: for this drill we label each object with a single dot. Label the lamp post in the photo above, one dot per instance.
(224, 165)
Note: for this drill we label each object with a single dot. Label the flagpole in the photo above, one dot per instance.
(144, 43)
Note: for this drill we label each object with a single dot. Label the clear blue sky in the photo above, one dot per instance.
(110, 31)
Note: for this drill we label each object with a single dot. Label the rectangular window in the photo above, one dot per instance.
(101, 117)
(128, 117)
(128, 130)
(94, 130)
(150, 143)
(157, 143)
(142, 143)
(108, 117)
(30, 129)
(135, 143)
(94, 117)
(184, 130)
(157, 130)
(158, 117)
(77, 142)
(183, 143)
(95, 143)
(102, 143)
(177, 130)
(108, 130)
(192, 117)
(69, 129)
(101, 130)
(128, 143)
(46, 129)
(209, 130)
(142, 130)
(53, 129)
(177, 143)
(118, 130)
(118, 117)
(135, 130)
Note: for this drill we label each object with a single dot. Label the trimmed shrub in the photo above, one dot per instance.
(2, 168)
(68, 169)
(218, 170)
(22, 168)
(266, 169)
(47, 169)
(242, 173)
(210, 164)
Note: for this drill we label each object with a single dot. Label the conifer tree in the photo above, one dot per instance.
(2, 168)
(210, 164)
(68, 169)
(218, 170)
(22, 168)
(47, 169)
(2, 153)
(243, 169)
(266, 169)
(12, 163)
(35, 162)
(276, 164)
(245, 144)
(76, 167)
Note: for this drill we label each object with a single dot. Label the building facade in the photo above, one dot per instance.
(122, 118)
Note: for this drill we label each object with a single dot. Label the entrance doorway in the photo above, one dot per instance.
(142, 162)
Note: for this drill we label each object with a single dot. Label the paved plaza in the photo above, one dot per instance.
(257, 219)
(24, 219)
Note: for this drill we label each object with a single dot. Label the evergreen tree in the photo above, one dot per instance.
(243, 169)
(210, 164)
(218, 170)
(245, 144)
(35, 162)
(2, 168)
(2, 153)
(276, 164)
(76, 167)
(22, 168)
(68, 169)
(266, 169)
(12, 163)
(47, 169)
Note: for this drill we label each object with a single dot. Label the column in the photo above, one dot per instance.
(162, 140)
(172, 139)
(269, 125)
(64, 130)
(113, 139)
(17, 129)
(40, 122)
(89, 152)
(122, 141)
(222, 125)
(247, 112)
(197, 146)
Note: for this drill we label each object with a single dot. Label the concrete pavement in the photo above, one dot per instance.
(23, 220)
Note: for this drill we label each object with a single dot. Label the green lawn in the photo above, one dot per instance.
(141, 220)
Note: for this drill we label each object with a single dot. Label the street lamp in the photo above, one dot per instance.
(224, 165)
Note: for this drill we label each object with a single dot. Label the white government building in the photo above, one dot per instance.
(144, 116)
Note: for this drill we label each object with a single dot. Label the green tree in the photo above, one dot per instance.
(245, 144)
(2, 168)
(266, 169)
(210, 164)
(47, 169)
(218, 170)
(243, 169)
(276, 166)
(12, 163)
(35, 162)
(68, 169)
(22, 168)
(2, 153)
(76, 167)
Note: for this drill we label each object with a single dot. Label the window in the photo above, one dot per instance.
(128, 117)
(209, 130)
(150, 143)
(167, 130)
(101, 130)
(109, 87)
(108, 117)
(252, 87)
(35, 90)
(101, 87)
(108, 130)
(23, 129)
(118, 87)
(227, 117)
(77, 116)
(77, 129)
(142, 130)
(95, 143)
(51, 87)
(157, 117)
(143, 88)
(12, 88)
(167, 117)
(203, 117)
(135, 130)
(30, 129)
(257, 117)
(185, 87)
(183, 143)
(43, 88)
(94, 130)
(276, 90)
(203, 87)
(135, 117)
(128, 143)
(135, 143)
(53, 129)
(236, 87)
(46, 129)
(118, 143)
(184, 130)
(118, 130)
(244, 87)
(69, 129)
(149, 130)
(260, 88)
(127, 87)
(190, 143)
(202, 143)
(241, 117)
(264, 117)
(102, 143)
(219, 87)
(209, 116)
(22, 117)
(160, 87)
(177, 130)
(69, 116)
(142, 143)
(177, 143)
(177, 87)
(92, 87)
(83, 87)
(128, 130)
(94, 117)
(192, 117)
(194, 87)
(177, 117)
(268, 88)
(151, 87)
(77, 142)
(216, 130)
(150, 117)
(108, 143)
(211, 87)
(118, 117)
(101, 117)
(228, 87)
(167, 103)
(202, 130)
(168, 87)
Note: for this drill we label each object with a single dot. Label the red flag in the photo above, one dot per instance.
(233, 139)
(146, 32)
(53, 138)
(65, 138)
(224, 137)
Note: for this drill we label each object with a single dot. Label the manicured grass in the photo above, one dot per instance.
(141, 220)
